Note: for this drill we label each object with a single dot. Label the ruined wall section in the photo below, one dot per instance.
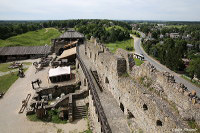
(163, 83)
(128, 57)
(143, 107)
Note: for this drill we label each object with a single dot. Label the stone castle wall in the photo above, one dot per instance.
(121, 77)
(92, 115)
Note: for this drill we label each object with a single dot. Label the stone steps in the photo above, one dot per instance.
(80, 112)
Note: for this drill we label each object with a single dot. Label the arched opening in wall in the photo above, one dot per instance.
(145, 107)
(158, 123)
(60, 51)
(85, 82)
(106, 80)
(122, 107)
(130, 115)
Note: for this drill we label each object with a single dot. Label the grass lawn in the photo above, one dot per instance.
(122, 44)
(7, 80)
(192, 81)
(175, 26)
(138, 62)
(32, 38)
(4, 66)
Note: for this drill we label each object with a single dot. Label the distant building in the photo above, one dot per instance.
(174, 35)
(66, 41)
(149, 35)
(186, 37)
(186, 62)
(189, 46)
(161, 25)
(161, 36)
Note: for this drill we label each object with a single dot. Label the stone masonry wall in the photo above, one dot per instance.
(119, 75)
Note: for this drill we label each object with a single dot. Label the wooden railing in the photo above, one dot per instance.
(105, 128)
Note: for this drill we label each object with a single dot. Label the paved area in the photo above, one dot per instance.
(12, 122)
(160, 67)
(114, 115)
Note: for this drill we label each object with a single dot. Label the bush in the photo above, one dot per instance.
(129, 48)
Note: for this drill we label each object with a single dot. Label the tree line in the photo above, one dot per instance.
(105, 30)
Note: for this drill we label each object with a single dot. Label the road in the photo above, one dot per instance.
(160, 67)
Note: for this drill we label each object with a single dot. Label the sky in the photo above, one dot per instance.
(172, 10)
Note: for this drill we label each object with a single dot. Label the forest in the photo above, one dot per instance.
(104, 30)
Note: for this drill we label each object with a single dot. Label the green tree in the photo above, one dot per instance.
(194, 68)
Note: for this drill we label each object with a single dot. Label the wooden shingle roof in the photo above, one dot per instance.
(72, 34)
(25, 50)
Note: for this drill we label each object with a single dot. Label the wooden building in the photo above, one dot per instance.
(66, 41)
(23, 52)
(69, 54)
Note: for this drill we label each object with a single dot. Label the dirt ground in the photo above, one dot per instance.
(10, 104)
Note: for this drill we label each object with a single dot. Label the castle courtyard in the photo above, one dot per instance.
(10, 104)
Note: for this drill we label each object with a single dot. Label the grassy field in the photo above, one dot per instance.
(4, 66)
(175, 26)
(7, 80)
(192, 81)
(138, 62)
(32, 38)
(122, 44)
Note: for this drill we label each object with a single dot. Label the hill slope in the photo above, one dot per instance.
(32, 38)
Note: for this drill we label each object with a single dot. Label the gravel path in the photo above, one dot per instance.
(10, 104)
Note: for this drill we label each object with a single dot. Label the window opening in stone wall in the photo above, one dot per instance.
(145, 107)
(106, 80)
(159, 123)
(130, 115)
(122, 107)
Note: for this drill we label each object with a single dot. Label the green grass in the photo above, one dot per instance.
(32, 38)
(120, 44)
(175, 26)
(194, 125)
(7, 80)
(192, 81)
(125, 74)
(138, 62)
(54, 118)
(4, 66)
